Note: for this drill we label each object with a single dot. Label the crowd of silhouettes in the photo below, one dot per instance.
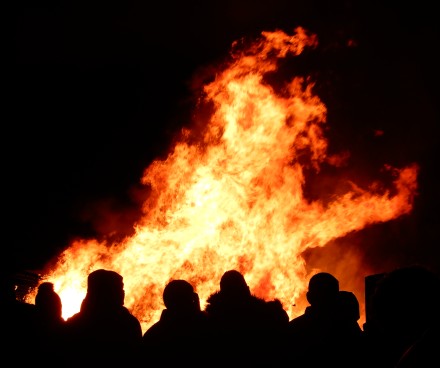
(234, 329)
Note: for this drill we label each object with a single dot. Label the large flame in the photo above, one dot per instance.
(231, 195)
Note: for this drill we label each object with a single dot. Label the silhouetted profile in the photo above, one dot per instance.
(320, 335)
(103, 331)
(246, 328)
(180, 337)
(404, 330)
(49, 320)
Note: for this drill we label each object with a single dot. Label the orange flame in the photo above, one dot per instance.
(234, 197)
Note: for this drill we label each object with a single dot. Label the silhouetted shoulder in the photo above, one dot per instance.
(405, 305)
(240, 319)
(181, 335)
(104, 331)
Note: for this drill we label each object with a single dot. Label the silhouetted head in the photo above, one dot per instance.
(323, 289)
(105, 287)
(46, 287)
(180, 295)
(407, 300)
(233, 283)
(47, 300)
(348, 305)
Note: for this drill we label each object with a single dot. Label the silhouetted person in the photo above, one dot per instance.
(49, 320)
(246, 328)
(348, 312)
(103, 331)
(349, 335)
(314, 338)
(180, 337)
(17, 326)
(48, 304)
(405, 313)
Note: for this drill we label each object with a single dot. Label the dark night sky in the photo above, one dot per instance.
(97, 91)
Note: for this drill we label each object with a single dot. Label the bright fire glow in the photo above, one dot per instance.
(231, 196)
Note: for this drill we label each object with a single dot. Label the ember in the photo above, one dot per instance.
(232, 195)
